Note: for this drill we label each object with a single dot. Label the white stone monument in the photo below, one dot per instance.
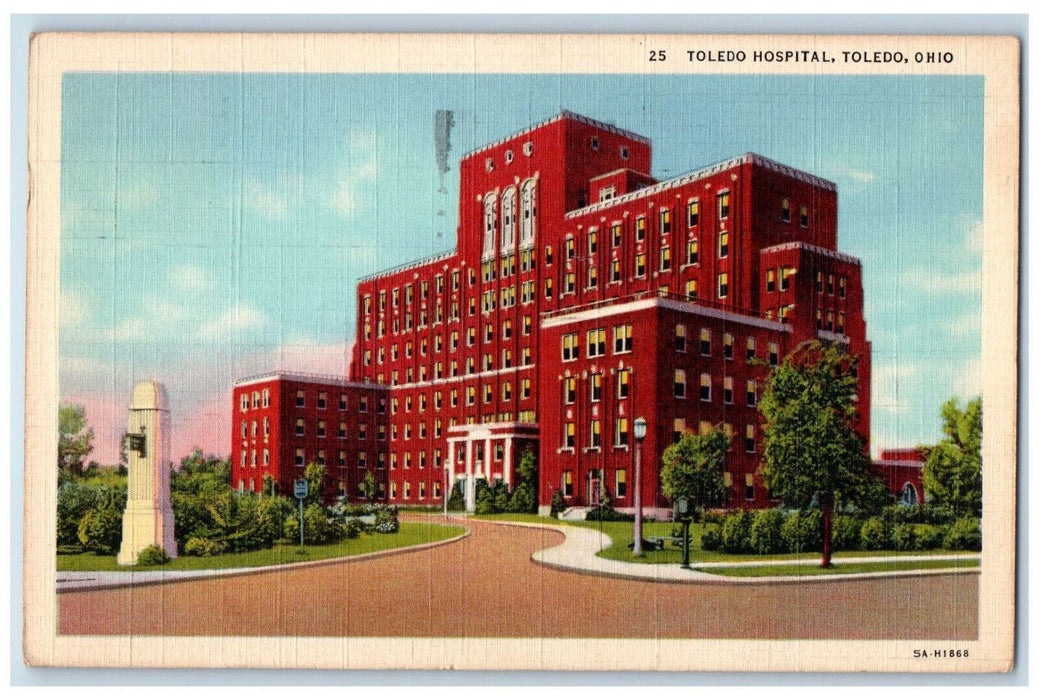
(148, 518)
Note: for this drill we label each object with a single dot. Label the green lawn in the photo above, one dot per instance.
(838, 568)
(411, 533)
(621, 535)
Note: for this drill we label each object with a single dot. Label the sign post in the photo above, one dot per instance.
(299, 489)
(684, 515)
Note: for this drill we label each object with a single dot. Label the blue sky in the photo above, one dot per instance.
(214, 226)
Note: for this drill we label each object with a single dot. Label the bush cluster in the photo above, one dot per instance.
(152, 555)
(775, 531)
(607, 513)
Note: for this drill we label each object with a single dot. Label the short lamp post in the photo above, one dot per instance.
(640, 434)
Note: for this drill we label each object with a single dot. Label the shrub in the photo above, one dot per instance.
(456, 502)
(353, 528)
(736, 532)
(607, 513)
(501, 497)
(74, 500)
(152, 555)
(557, 505)
(845, 532)
(802, 531)
(903, 537)
(317, 528)
(766, 533)
(386, 521)
(929, 536)
(202, 547)
(270, 520)
(964, 534)
(711, 539)
(714, 517)
(484, 498)
(874, 534)
(523, 500)
(100, 530)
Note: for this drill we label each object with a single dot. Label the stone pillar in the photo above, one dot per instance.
(506, 471)
(470, 480)
(148, 518)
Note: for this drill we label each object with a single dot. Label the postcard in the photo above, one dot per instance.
(542, 352)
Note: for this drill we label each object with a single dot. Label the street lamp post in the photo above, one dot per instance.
(640, 434)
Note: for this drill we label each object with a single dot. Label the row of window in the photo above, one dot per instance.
(620, 484)
(527, 217)
(621, 437)
(680, 384)
(301, 401)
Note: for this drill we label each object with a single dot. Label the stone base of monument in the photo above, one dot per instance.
(140, 524)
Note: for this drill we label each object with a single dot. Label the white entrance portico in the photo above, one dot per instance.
(484, 451)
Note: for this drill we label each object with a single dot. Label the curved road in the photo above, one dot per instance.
(486, 586)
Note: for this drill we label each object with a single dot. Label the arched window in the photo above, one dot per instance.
(508, 220)
(490, 215)
(909, 496)
(528, 214)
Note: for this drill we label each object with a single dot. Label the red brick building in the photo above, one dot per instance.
(582, 294)
(284, 421)
(903, 472)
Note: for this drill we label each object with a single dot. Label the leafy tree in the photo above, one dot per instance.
(315, 475)
(812, 452)
(75, 438)
(693, 468)
(524, 497)
(371, 485)
(558, 504)
(456, 501)
(268, 485)
(952, 471)
(100, 530)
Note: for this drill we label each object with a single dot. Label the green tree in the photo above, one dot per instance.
(693, 468)
(315, 475)
(371, 485)
(75, 438)
(812, 452)
(524, 497)
(952, 471)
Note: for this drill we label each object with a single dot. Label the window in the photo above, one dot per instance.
(245, 429)
(299, 426)
(615, 271)
(568, 435)
(705, 387)
(568, 484)
(595, 434)
(665, 258)
(267, 392)
(692, 212)
(723, 244)
(723, 205)
(620, 478)
(829, 284)
(488, 393)
(362, 404)
(727, 346)
(692, 251)
(569, 389)
(593, 277)
(690, 290)
(622, 336)
(569, 248)
(840, 323)
(299, 398)
(593, 242)
(595, 387)
(819, 282)
(842, 291)
(784, 278)
(597, 342)
(727, 390)
(748, 489)
(751, 348)
(300, 457)
(678, 429)
(723, 285)
(773, 354)
(620, 436)
(640, 265)
(623, 383)
(569, 283)
(594, 143)
(244, 404)
(640, 228)
(804, 216)
(570, 347)
(525, 389)
(829, 320)
(548, 288)
(342, 429)
(785, 211)
(679, 384)
(770, 280)
(266, 426)
(752, 393)
(615, 234)
(665, 222)
(679, 338)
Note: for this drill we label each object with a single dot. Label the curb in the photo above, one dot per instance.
(256, 570)
(704, 577)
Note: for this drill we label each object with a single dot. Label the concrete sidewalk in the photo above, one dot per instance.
(578, 553)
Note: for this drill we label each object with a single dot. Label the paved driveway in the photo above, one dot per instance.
(486, 586)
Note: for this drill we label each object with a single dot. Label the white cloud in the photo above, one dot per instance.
(238, 318)
(967, 383)
(965, 324)
(886, 381)
(264, 200)
(859, 175)
(347, 198)
(73, 310)
(975, 236)
(934, 282)
(189, 278)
